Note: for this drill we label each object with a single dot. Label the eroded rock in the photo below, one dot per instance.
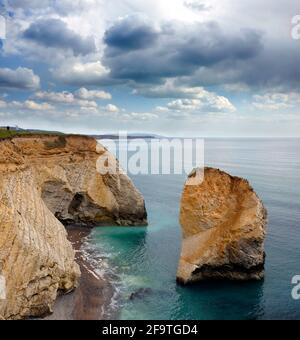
(46, 180)
(224, 227)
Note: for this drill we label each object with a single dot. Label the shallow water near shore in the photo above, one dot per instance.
(143, 261)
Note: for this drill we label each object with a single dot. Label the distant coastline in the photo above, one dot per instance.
(130, 136)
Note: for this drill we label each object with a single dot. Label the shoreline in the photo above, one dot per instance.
(93, 296)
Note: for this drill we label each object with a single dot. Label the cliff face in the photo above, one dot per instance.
(224, 226)
(46, 180)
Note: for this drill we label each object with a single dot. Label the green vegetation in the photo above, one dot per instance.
(11, 133)
(4, 133)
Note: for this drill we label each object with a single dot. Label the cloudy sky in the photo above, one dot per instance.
(173, 67)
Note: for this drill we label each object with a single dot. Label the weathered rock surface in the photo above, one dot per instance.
(224, 227)
(46, 180)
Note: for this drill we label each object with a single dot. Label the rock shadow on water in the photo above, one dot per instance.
(223, 300)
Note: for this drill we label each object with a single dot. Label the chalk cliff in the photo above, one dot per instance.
(46, 181)
(224, 227)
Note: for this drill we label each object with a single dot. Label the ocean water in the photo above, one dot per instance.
(143, 261)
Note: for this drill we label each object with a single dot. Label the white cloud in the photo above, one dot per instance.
(184, 104)
(83, 93)
(30, 105)
(172, 90)
(112, 108)
(188, 98)
(82, 74)
(21, 78)
(161, 109)
(56, 97)
(66, 98)
(87, 103)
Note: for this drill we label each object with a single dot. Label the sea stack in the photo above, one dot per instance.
(224, 227)
(46, 182)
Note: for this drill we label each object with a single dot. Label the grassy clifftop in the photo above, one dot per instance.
(4, 134)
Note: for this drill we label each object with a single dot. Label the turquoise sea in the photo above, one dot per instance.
(143, 261)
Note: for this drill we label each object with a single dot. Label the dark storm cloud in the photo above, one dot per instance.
(135, 52)
(277, 67)
(130, 34)
(55, 33)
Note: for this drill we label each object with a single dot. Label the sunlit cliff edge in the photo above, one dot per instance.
(47, 181)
